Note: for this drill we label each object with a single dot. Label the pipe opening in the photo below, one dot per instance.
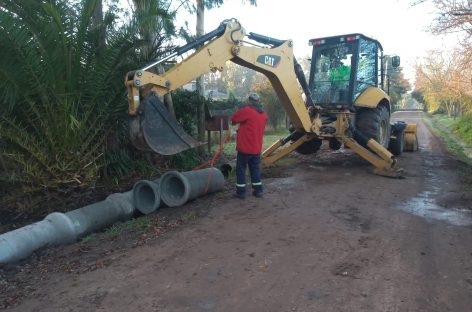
(146, 196)
(174, 189)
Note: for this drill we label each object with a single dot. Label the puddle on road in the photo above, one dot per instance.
(425, 206)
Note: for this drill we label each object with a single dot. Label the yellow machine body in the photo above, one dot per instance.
(371, 97)
(152, 128)
(411, 138)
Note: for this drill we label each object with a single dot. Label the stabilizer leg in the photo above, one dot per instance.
(268, 156)
(384, 161)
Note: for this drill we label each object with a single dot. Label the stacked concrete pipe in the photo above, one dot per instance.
(63, 228)
(176, 188)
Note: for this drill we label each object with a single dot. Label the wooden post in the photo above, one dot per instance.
(209, 141)
(221, 131)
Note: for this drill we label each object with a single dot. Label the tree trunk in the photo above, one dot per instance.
(97, 22)
(199, 82)
(3, 165)
(449, 108)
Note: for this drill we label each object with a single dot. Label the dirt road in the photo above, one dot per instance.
(328, 236)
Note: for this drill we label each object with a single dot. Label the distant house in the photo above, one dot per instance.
(190, 86)
(216, 95)
(209, 93)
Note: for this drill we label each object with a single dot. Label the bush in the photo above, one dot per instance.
(463, 127)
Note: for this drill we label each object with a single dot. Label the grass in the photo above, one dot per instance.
(138, 225)
(91, 238)
(229, 149)
(189, 216)
(463, 127)
(444, 127)
(271, 136)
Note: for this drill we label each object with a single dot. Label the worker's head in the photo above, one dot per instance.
(253, 98)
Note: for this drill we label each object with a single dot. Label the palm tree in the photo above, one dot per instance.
(61, 91)
(156, 29)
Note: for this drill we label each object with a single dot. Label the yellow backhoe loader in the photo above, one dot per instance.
(344, 103)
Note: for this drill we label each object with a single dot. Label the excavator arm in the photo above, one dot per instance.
(153, 128)
(148, 116)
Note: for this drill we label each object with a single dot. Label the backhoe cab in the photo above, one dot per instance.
(348, 72)
(345, 98)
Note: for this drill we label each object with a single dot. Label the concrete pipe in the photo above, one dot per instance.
(95, 217)
(63, 228)
(146, 196)
(176, 188)
(55, 229)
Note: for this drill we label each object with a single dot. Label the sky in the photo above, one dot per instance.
(400, 27)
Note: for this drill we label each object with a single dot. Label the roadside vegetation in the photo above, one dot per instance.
(444, 80)
(454, 134)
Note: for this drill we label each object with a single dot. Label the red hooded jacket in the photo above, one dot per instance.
(252, 121)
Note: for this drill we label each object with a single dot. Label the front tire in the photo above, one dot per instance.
(309, 147)
(374, 123)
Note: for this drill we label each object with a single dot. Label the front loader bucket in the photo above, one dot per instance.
(154, 129)
(411, 139)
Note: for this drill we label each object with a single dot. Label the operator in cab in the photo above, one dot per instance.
(252, 121)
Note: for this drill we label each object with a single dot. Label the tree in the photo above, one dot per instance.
(398, 86)
(200, 31)
(443, 83)
(454, 16)
(270, 100)
(154, 21)
(61, 91)
(239, 79)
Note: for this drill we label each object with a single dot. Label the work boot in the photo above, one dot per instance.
(258, 194)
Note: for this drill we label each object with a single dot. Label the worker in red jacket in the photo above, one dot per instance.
(252, 121)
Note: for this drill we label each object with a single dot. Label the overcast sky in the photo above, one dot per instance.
(400, 27)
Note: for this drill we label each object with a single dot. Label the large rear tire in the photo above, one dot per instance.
(374, 123)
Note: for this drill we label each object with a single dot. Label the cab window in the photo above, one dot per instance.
(366, 67)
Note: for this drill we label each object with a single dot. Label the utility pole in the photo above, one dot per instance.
(199, 81)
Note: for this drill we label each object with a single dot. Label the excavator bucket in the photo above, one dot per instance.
(411, 139)
(154, 129)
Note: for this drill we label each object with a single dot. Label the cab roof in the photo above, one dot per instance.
(341, 38)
